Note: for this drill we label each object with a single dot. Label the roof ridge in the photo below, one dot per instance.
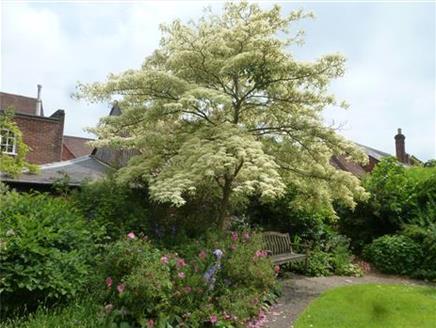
(64, 163)
(15, 95)
(65, 135)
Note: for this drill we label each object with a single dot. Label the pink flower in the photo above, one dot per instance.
(227, 316)
(187, 289)
(277, 269)
(261, 253)
(181, 275)
(202, 255)
(108, 308)
(108, 282)
(131, 235)
(121, 288)
(180, 263)
(246, 235)
(234, 236)
(164, 260)
(213, 319)
(150, 323)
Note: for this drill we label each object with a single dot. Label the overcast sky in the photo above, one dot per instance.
(390, 47)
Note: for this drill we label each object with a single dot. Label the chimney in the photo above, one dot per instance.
(38, 101)
(400, 147)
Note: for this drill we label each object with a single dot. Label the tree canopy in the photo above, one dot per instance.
(223, 105)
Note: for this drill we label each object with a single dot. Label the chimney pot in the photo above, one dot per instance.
(400, 147)
(38, 101)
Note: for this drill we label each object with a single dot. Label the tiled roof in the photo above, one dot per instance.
(374, 153)
(78, 170)
(341, 163)
(21, 104)
(78, 146)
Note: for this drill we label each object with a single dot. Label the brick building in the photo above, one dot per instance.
(43, 134)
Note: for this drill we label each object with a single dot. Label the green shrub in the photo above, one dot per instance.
(399, 196)
(118, 208)
(330, 255)
(394, 254)
(46, 249)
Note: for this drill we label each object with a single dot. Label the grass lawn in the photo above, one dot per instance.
(372, 306)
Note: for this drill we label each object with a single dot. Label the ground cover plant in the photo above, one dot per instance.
(372, 306)
(84, 313)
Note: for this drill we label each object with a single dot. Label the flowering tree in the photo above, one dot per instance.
(222, 106)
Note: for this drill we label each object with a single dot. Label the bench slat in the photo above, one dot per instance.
(280, 246)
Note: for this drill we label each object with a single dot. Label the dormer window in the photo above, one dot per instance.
(8, 142)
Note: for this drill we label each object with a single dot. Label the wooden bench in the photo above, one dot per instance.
(279, 247)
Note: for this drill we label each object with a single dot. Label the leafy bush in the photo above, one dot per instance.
(399, 196)
(143, 285)
(46, 249)
(118, 208)
(394, 254)
(332, 256)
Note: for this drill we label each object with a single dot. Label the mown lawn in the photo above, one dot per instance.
(372, 306)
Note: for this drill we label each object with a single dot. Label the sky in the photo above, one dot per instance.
(389, 46)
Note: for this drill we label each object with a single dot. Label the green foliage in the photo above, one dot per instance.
(85, 313)
(119, 209)
(330, 255)
(46, 249)
(394, 254)
(281, 215)
(142, 284)
(399, 196)
(372, 306)
(13, 165)
(430, 163)
(222, 107)
(391, 192)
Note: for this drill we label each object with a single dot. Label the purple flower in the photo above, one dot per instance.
(234, 236)
(131, 235)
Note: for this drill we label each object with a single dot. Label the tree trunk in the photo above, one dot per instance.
(224, 219)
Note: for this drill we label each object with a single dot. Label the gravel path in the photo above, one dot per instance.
(299, 291)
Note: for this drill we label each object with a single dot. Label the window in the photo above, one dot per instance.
(8, 143)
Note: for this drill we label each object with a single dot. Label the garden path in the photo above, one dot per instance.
(299, 291)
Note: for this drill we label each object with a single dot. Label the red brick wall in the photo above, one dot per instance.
(66, 154)
(43, 135)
